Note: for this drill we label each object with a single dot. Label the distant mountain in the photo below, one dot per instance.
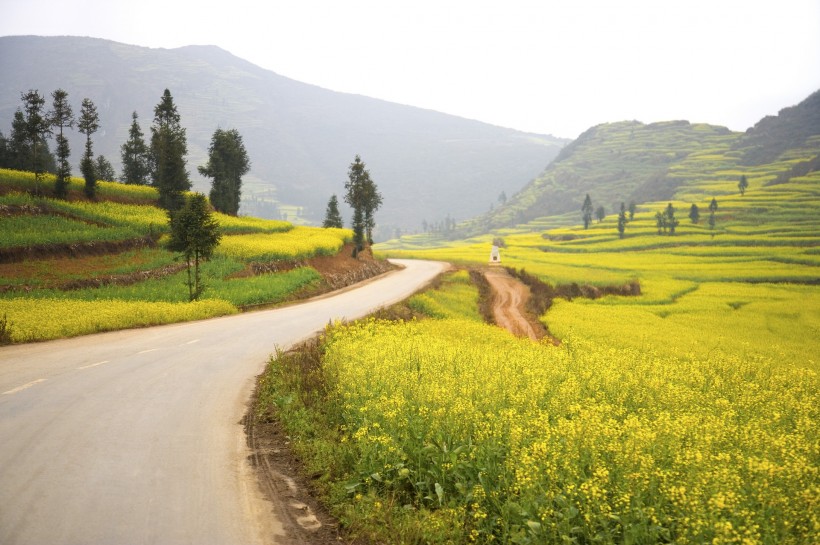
(773, 135)
(300, 138)
(632, 161)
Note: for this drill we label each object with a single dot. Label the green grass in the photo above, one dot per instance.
(42, 230)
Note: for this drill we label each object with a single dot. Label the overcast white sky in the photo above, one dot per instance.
(545, 66)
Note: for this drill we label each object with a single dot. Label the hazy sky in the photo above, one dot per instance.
(544, 66)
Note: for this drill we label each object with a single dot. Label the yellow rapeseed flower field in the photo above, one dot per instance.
(299, 242)
(527, 443)
(38, 319)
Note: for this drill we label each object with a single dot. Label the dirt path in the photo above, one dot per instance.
(510, 298)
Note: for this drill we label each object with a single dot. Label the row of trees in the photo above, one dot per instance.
(666, 223)
(665, 220)
(587, 211)
(27, 146)
(363, 196)
(161, 163)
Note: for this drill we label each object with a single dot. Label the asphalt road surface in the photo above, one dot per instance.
(135, 436)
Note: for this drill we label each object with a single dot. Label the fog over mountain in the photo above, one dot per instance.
(300, 138)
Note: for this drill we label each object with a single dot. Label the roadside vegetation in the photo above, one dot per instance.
(72, 267)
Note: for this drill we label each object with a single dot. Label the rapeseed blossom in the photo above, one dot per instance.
(539, 444)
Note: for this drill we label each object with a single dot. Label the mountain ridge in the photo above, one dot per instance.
(300, 137)
(633, 161)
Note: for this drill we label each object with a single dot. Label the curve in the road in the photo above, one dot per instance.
(135, 436)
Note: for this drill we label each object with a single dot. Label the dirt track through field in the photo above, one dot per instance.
(510, 298)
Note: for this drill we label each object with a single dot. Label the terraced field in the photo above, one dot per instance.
(74, 267)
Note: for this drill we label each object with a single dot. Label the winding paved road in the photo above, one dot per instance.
(135, 436)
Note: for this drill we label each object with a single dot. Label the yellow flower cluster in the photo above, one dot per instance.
(248, 224)
(299, 242)
(142, 216)
(43, 319)
(581, 443)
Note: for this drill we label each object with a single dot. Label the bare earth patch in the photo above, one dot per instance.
(510, 298)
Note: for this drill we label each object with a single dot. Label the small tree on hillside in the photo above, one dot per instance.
(622, 221)
(694, 213)
(671, 222)
(227, 163)
(104, 169)
(88, 124)
(332, 216)
(19, 151)
(586, 211)
(743, 184)
(61, 117)
(661, 222)
(632, 209)
(713, 206)
(134, 154)
(600, 213)
(194, 233)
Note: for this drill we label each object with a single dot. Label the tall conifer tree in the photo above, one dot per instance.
(363, 196)
(61, 117)
(169, 147)
(586, 211)
(134, 154)
(88, 124)
(36, 129)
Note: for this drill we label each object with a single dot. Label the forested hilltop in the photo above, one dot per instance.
(634, 162)
(299, 137)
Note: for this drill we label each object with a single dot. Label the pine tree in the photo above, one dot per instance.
(169, 147)
(671, 222)
(694, 213)
(134, 154)
(622, 221)
(227, 163)
(103, 169)
(632, 208)
(713, 206)
(19, 150)
(363, 196)
(5, 151)
(332, 216)
(373, 200)
(586, 211)
(743, 184)
(61, 117)
(600, 213)
(661, 222)
(88, 124)
(36, 129)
